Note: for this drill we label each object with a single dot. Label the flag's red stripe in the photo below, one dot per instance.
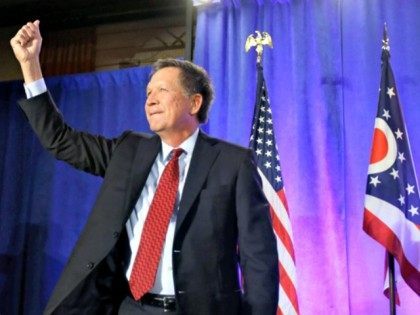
(282, 234)
(384, 235)
(285, 281)
(288, 287)
(397, 296)
(283, 199)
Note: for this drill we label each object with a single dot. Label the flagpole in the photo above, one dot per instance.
(263, 144)
(390, 258)
(388, 219)
(391, 281)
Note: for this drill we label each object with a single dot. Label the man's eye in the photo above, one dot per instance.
(163, 89)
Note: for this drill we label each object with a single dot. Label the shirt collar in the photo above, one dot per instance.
(187, 145)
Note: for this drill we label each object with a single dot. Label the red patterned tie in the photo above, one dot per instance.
(154, 230)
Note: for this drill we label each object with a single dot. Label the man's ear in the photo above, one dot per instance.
(196, 103)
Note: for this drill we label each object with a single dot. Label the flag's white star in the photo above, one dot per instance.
(259, 141)
(261, 130)
(410, 189)
(386, 114)
(277, 179)
(278, 168)
(258, 151)
(269, 110)
(269, 121)
(401, 156)
(398, 133)
(251, 138)
(390, 92)
(267, 164)
(374, 180)
(269, 131)
(262, 108)
(401, 200)
(263, 97)
(253, 126)
(268, 153)
(261, 119)
(278, 157)
(269, 143)
(394, 173)
(413, 210)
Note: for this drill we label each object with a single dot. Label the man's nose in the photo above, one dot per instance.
(151, 100)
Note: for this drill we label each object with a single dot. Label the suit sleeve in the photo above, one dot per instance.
(82, 150)
(257, 244)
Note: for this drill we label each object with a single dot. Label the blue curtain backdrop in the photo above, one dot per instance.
(44, 203)
(322, 77)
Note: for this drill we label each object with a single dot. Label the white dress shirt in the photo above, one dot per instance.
(35, 88)
(164, 278)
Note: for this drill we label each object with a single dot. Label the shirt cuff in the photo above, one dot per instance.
(35, 88)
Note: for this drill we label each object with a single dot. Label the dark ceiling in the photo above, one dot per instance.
(62, 14)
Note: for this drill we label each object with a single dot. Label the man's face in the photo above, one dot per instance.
(168, 108)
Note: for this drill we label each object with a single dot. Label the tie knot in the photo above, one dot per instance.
(176, 153)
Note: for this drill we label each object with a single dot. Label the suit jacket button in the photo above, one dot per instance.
(90, 265)
(116, 234)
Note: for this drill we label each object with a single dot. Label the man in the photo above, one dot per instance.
(176, 214)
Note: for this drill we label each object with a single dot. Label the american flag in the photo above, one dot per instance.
(263, 143)
(392, 200)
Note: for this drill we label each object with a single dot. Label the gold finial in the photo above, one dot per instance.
(259, 41)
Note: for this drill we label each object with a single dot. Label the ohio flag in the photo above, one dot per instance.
(392, 200)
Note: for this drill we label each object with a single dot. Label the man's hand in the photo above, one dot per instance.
(27, 42)
(26, 46)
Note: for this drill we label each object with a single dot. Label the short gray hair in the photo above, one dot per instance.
(194, 79)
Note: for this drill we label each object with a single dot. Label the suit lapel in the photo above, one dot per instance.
(202, 159)
(142, 164)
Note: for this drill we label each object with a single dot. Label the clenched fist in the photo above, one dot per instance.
(26, 46)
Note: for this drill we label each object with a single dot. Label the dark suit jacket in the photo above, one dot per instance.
(223, 221)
